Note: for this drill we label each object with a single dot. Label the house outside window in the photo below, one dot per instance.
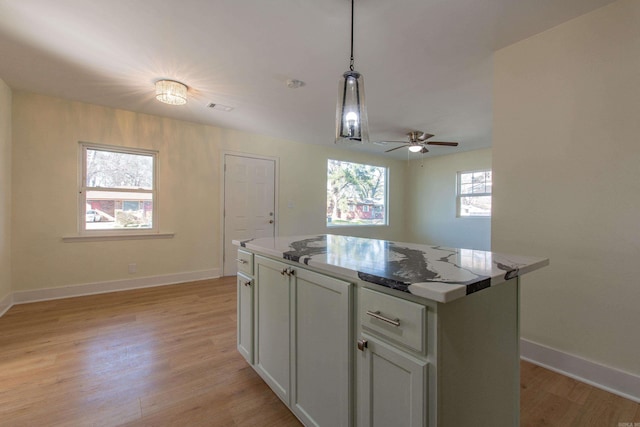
(117, 190)
(474, 194)
(356, 194)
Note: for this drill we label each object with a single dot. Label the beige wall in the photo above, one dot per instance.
(431, 195)
(5, 190)
(566, 161)
(46, 132)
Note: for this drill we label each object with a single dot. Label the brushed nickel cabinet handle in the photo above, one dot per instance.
(376, 314)
(241, 261)
(362, 344)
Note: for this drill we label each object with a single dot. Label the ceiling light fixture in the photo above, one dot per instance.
(415, 148)
(171, 92)
(351, 113)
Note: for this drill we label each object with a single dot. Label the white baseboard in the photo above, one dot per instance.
(6, 303)
(612, 380)
(21, 297)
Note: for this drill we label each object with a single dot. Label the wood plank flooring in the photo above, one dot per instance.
(167, 356)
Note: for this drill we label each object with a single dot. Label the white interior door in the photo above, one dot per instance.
(249, 203)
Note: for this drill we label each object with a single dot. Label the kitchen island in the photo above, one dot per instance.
(354, 331)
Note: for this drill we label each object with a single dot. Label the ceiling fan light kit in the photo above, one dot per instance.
(351, 111)
(171, 92)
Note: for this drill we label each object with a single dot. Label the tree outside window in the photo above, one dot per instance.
(356, 194)
(117, 190)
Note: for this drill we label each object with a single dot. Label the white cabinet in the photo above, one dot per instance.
(392, 368)
(424, 364)
(321, 337)
(245, 316)
(245, 291)
(303, 340)
(392, 386)
(272, 326)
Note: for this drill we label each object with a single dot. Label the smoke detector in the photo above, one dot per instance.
(294, 84)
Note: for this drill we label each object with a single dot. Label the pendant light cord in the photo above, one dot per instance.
(351, 63)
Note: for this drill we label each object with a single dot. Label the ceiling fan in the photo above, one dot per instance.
(417, 144)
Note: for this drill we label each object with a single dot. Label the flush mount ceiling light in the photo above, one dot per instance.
(351, 113)
(171, 92)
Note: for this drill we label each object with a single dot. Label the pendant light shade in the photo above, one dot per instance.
(171, 92)
(351, 112)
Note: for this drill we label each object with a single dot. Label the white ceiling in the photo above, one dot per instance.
(427, 64)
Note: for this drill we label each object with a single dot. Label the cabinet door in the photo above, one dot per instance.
(321, 333)
(245, 316)
(272, 325)
(392, 387)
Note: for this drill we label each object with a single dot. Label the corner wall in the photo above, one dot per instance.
(5, 196)
(431, 199)
(566, 163)
(46, 132)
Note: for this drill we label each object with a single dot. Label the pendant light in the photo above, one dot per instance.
(351, 112)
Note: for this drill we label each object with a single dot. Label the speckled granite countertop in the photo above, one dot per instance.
(434, 272)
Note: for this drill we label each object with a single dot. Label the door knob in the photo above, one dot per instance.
(270, 221)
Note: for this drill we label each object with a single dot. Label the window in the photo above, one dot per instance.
(474, 193)
(356, 194)
(117, 189)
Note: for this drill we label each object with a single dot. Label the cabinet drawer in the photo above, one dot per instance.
(245, 262)
(393, 318)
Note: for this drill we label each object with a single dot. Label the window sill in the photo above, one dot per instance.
(108, 237)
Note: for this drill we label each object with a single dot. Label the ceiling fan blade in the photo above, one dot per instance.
(424, 136)
(401, 146)
(448, 144)
(424, 150)
(387, 142)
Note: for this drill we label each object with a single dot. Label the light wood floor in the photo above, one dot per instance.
(167, 356)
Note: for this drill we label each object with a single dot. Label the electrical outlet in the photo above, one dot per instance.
(133, 268)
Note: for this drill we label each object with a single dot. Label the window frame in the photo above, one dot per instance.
(459, 194)
(83, 189)
(385, 197)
